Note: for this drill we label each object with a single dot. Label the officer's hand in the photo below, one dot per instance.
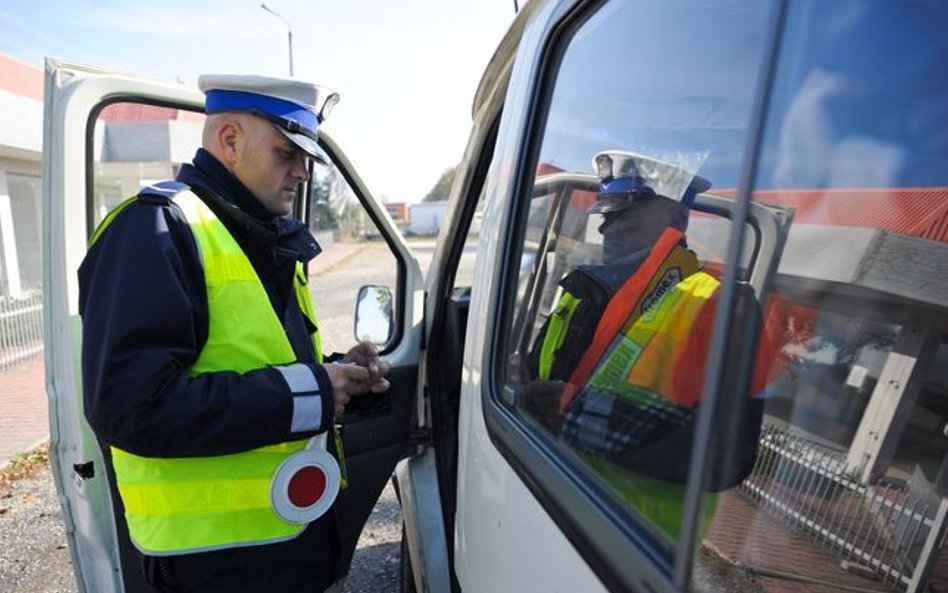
(366, 355)
(348, 381)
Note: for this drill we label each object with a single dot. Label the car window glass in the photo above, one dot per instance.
(354, 255)
(849, 487)
(136, 144)
(464, 276)
(622, 252)
(464, 272)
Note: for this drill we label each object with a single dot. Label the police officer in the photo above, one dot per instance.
(202, 370)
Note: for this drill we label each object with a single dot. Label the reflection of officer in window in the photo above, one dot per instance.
(634, 216)
(620, 361)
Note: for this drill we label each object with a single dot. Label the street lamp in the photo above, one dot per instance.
(289, 31)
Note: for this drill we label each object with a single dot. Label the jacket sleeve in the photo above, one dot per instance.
(143, 304)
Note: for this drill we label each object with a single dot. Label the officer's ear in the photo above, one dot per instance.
(229, 139)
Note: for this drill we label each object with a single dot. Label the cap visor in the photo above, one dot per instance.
(306, 144)
(607, 204)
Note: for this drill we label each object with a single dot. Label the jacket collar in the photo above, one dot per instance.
(288, 237)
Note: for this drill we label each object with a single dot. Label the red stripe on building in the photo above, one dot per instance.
(26, 80)
(916, 211)
(142, 112)
(910, 211)
(21, 78)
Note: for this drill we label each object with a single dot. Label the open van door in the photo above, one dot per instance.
(105, 135)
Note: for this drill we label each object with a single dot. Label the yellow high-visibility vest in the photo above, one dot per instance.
(186, 505)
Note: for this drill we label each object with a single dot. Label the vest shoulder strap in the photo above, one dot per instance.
(161, 192)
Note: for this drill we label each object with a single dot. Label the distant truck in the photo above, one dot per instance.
(425, 218)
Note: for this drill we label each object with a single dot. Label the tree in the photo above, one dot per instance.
(322, 217)
(442, 189)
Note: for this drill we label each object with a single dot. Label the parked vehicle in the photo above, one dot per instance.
(823, 128)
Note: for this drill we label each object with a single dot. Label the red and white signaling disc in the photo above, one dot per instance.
(305, 485)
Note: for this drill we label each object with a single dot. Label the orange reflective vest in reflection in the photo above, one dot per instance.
(655, 332)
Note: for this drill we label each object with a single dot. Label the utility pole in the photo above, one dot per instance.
(289, 31)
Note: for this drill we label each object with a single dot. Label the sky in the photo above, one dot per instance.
(406, 70)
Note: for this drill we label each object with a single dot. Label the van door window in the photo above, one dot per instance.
(621, 255)
(850, 485)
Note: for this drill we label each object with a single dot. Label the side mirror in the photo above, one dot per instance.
(374, 320)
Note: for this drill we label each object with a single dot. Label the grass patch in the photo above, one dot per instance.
(25, 464)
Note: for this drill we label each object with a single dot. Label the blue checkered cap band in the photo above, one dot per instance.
(297, 108)
(296, 117)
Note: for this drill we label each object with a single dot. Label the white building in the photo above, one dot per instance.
(21, 146)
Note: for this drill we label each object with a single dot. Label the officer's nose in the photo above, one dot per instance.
(300, 169)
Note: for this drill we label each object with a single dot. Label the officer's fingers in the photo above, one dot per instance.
(380, 386)
(353, 356)
(337, 375)
(341, 398)
(347, 378)
(362, 353)
(356, 380)
(369, 348)
(342, 375)
(357, 374)
(377, 368)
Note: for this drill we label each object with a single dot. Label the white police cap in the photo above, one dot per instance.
(627, 176)
(295, 107)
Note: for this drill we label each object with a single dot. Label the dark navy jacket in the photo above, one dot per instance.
(143, 304)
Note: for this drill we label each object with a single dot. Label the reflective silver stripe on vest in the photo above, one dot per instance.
(307, 409)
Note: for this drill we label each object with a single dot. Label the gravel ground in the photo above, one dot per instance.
(34, 556)
(33, 552)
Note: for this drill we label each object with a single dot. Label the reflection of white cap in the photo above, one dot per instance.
(626, 176)
(295, 107)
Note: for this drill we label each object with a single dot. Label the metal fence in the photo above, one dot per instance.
(891, 533)
(21, 329)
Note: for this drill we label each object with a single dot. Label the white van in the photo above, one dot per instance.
(822, 127)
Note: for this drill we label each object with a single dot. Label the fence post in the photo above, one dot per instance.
(926, 560)
(21, 329)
